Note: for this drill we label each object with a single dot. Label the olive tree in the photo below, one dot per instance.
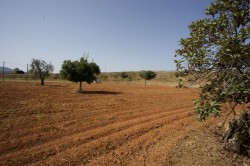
(80, 71)
(41, 68)
(218, 53)
(147, 75)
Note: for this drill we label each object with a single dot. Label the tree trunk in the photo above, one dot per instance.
(42, 81)
(237, 136)
(145, 82)
(80, 86)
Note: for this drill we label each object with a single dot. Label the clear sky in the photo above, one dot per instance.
(119, 35)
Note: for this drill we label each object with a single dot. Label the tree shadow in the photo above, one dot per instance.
(100, 92)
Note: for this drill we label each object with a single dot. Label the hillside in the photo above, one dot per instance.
(6, 70)
(162, 77)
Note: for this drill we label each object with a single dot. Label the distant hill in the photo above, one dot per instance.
(6, 70)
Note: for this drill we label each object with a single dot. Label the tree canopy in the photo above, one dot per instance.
(80, 71)
(147, 75)
(18, 71)
(41, 68)
(124, 75)
(218, 53)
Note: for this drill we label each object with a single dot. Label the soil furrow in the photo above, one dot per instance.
(58, 126)
(120, 112)
(152, 151)
(90, 135)
(27, 141)
(88, 151)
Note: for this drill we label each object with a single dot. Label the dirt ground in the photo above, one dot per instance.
(108, 124)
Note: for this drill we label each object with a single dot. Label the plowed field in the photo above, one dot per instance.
(109, 124)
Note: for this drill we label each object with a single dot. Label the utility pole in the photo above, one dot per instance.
(27, 73)
(3, 71)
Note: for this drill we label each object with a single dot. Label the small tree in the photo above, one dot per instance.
(18, 71)
(41, 68)
(124, 75)
(147, 75)
(80, 71)
(218, 52)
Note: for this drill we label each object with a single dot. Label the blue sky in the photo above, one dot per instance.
(119, 35)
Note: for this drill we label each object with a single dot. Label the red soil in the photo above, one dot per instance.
(109, 124)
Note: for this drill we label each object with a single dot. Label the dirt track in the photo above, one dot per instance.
(107, 125)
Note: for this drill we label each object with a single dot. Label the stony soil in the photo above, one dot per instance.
(108, 124)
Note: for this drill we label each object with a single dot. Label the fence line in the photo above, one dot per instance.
(30, 77)
(8, 68)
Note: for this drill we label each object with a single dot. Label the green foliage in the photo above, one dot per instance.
(124, 75)
(18, 71)
(218, 51)
(147, 75)
(80, 71)
(41, 69)
(211, 108)
(40, 116)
